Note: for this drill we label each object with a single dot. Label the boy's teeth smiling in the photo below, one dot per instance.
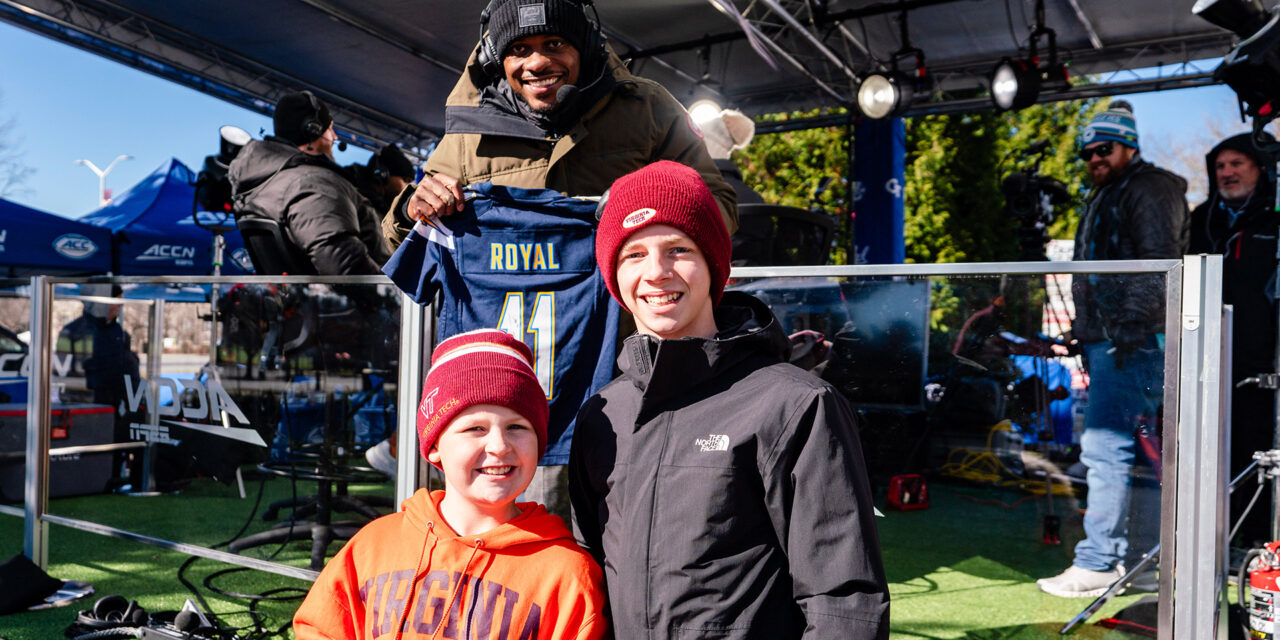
(663, 299)
(497, 471)
(539, 82)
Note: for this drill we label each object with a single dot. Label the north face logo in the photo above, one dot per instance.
(713, 442)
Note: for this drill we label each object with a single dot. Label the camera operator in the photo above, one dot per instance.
(1238, 222)
(381, 179)
(1135, 211)
(291, 178)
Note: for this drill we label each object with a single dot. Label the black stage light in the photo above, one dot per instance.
(1015, 83)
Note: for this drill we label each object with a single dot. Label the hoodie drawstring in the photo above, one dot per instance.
(413, 582)
(457, 588)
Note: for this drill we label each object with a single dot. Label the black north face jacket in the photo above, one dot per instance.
(724, 492)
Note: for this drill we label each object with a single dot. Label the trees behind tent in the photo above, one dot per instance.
(954, 206)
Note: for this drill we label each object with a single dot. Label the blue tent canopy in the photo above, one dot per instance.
(35, 242)
(155, 233)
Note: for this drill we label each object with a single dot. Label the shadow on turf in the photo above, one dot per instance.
(1043, 631)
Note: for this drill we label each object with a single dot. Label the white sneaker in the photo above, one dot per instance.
(380, 458)
(1080, 583)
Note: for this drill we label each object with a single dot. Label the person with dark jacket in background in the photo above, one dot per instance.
(291, 178)
(1136, 211)
(722, 489)
(1239, 221)
(544, 103)
(383, 177)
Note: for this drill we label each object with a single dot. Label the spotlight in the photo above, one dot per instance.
(884, 95)
(888, 94)
(1015, 83)
(704, 110)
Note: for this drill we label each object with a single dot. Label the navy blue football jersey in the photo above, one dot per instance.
(523, 261)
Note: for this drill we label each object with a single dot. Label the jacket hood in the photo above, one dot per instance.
(480, 103)
(747, 331)
(1243, 143)
(261, 159)
(534, 525)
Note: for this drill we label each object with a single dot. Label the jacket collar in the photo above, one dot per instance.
(483, 105)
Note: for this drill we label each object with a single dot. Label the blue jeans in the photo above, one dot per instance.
(1119, 401)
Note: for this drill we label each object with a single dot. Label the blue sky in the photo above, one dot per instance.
(67, 104)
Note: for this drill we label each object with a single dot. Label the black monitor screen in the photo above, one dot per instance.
(878, 330)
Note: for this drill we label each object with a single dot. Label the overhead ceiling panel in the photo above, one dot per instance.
(387, 65)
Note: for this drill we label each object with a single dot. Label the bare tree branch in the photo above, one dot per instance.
(13, 171)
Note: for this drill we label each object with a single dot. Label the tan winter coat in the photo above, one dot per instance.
(637, 123)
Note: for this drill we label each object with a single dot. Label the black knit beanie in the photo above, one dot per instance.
(294, 111)
(510, 20)
(396, 163)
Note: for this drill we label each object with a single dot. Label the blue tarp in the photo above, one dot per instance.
(154, 231)
(35, 242)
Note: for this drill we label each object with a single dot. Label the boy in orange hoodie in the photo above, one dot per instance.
(469, 561)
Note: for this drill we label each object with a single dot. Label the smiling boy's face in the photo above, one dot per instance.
(488, 454)
(665, 283)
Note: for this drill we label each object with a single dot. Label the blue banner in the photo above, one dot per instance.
(879, 153)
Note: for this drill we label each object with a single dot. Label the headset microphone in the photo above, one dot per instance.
(342, 145)
(566, 93)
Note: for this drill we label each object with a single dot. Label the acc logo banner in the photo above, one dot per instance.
(74, 246)
(179, 254)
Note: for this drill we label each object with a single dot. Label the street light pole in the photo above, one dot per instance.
(102, 175)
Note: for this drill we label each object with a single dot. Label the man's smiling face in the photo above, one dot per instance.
(537, 66)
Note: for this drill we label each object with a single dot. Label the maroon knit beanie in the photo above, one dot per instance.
(480, 367)
(669, 193)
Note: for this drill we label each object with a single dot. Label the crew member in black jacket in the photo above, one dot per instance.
(1239, 222)
(722, 490)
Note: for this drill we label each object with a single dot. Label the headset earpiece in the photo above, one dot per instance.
(311, 126)
(377, 170)
(486, 57)
(108, 605)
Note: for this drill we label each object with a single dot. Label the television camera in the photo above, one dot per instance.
(1252, 68)
(1030, 198)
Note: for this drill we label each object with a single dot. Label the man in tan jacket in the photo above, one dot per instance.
(544, 103)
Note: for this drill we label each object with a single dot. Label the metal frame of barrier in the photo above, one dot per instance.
(1193, 394)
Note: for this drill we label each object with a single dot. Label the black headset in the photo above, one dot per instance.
(377, 170)
(490, 59)
(113, 611)
(312, 125)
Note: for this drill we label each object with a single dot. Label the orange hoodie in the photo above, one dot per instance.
(408, 575)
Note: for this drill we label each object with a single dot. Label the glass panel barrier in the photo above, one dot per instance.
(984, 432)
(15, 327)
(241, 448)
(982, 427)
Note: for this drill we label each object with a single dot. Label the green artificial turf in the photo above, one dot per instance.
(964, 568)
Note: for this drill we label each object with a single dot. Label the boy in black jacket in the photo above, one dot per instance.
(722, 489)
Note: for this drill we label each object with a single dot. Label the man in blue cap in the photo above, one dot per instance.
(1136, 211)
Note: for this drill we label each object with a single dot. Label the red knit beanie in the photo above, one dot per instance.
(669, 193)
(480, 367)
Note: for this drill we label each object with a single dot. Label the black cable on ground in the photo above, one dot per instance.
(258, 618)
